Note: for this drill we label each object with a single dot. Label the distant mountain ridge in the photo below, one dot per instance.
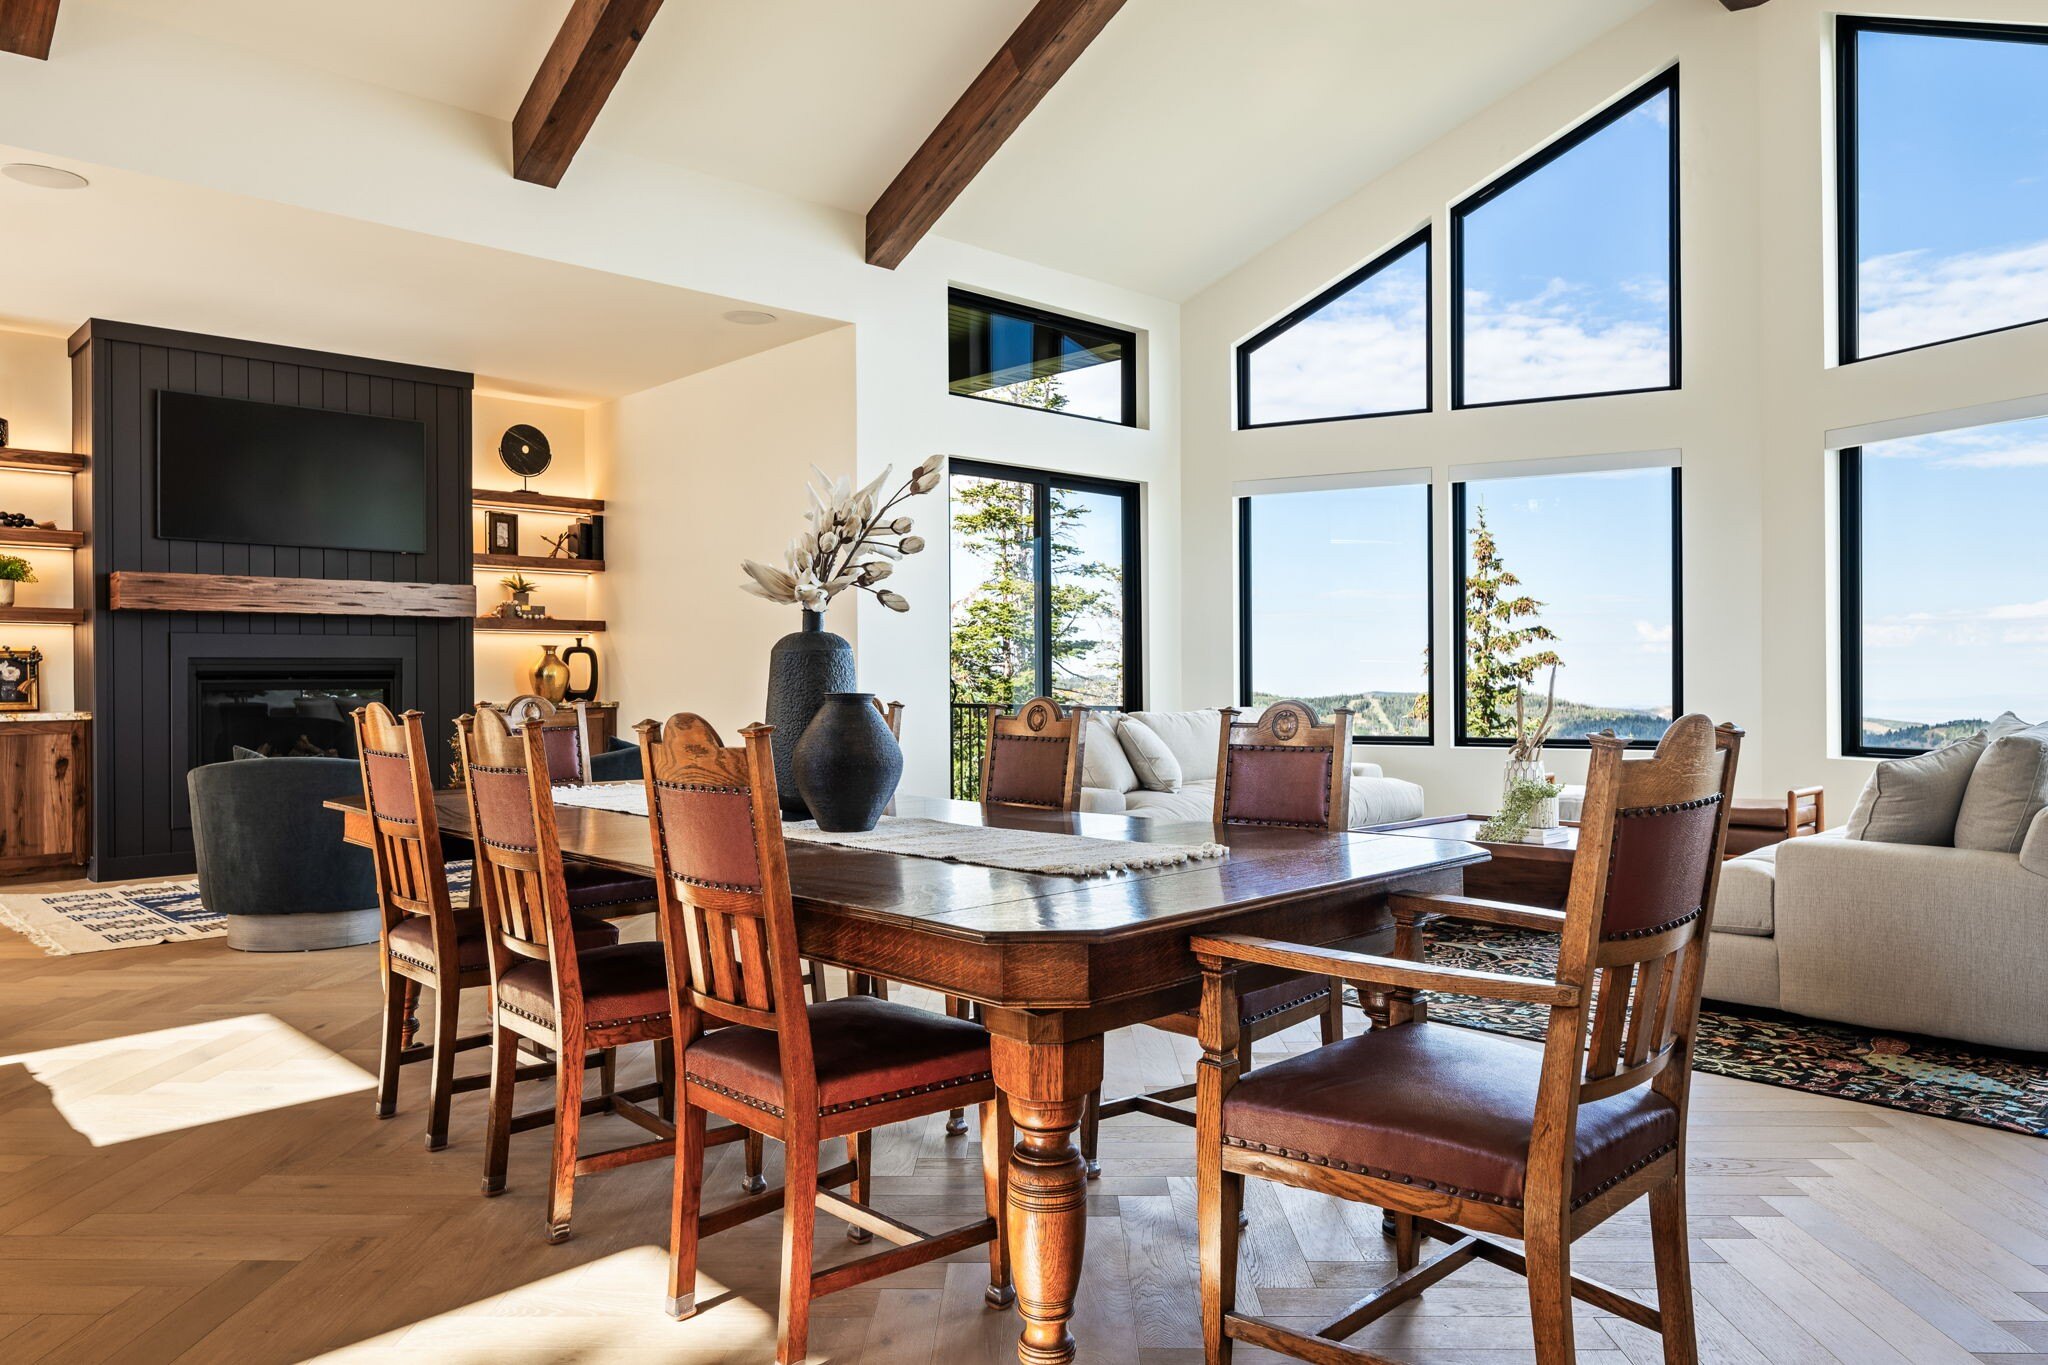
(1910, 734)
(1388, 713)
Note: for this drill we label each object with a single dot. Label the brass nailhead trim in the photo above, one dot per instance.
(754, 1102)
(753, 829)
(1455, 1191)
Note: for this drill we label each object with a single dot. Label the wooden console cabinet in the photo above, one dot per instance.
(45, 794)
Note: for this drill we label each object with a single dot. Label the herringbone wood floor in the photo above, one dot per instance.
(189, 1171)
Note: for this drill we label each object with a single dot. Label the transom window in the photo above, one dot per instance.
(1577, 570)
(1007, 353)
(1361, 348)
(1944, 181)
(1944, 601)
(1334, 604)
(1564, 272)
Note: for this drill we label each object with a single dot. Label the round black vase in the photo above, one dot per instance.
(848, 764)
(802, 668)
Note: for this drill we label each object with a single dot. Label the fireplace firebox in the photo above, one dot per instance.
(295, 709)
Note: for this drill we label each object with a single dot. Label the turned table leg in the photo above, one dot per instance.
(1048, 1085)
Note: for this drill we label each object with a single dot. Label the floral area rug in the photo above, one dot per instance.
(1987, 1086)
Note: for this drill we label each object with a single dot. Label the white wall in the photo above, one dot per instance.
(35, 398)
(1750, 421)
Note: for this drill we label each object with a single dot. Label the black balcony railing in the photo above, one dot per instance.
(969, 737)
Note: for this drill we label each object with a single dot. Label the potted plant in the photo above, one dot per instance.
(520, 587)
(1518, 808)
(1525, 755)
(13, 569)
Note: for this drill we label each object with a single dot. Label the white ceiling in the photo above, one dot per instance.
(1191, 135)
(153, 251)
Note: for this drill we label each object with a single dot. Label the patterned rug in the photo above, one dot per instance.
(1987, 1086)
(135, 915)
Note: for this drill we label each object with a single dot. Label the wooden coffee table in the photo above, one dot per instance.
(1527, 874)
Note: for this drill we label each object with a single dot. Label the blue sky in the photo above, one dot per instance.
(1365, 351)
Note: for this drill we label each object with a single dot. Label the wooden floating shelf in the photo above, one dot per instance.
(37, 537)
(519, 501)
(42, 461)
(42, 616)
(560, 625)
(239, 594)
(540, 563)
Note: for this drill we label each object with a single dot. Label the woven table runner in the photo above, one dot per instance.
(1015, 850)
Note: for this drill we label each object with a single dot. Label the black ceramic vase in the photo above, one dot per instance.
(848, 764)
(802, 668)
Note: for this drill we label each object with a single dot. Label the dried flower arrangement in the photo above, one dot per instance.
(1528, 745)
(853, 541)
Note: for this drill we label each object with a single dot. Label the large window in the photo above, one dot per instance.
(1358, 349)
(1564, 272)
(1944, 593)
(1045, 598)
(1944, 181)
(1007, 353)
(1334, 604)
(1576, 570)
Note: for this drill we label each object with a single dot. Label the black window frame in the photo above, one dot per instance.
(1042, 482)
(1458, 571)
(1244, 612)
(1665, 81)
(1046, 318)
(1848, 282)
(1423, 237)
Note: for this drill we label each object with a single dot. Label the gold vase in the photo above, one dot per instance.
(550, 676)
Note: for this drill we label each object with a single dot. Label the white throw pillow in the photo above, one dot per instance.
(1103, 763)
(1916, 800)
(2008, 788)
(1158, 770)
(1191, 736)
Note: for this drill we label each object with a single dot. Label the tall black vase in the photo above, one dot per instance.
(802, 668)
(847, 763)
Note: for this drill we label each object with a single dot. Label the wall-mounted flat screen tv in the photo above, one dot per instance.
(269, 474)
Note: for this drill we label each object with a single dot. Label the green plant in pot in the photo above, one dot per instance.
(1523, 797)
(520, 587)
(13, 569)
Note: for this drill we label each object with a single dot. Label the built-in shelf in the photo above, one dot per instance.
(540, 563)
(42, 461)
(560, 625)
(517, 500)
(42, 616)
(36, 537)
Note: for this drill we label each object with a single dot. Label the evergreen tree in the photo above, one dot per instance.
(1500, 623)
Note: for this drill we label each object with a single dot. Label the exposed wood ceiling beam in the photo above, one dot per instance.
(586, 60)
(1741, 4)
(26, 26)
(1007, 90)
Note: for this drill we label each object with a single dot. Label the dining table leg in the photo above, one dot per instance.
(1048, 1085)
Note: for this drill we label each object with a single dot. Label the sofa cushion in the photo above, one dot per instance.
(1191, 736)
(1384, 801)
(1195, 801)
(1103, 761)
(1158, 770)
(2034, 852)
(1916, 800)
(1744, 904)
(2008, 788)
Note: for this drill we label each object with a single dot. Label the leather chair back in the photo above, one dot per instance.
(519, 882)
(405, 843)
(1034, 757)
(567, 744)
(1286, 768)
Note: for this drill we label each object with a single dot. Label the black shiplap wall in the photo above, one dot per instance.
(130, 656)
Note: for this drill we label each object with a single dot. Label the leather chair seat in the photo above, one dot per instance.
(867, 1051)
(1442, 1107)
(1253, 1006)
(592, 887)
(621, 983)
(413, 940)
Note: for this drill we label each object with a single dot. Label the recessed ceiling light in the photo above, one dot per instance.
(750, 317)
(44, 177)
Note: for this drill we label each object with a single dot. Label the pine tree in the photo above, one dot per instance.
(1500, 624)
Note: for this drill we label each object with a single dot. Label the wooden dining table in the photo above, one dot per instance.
(1055, 962)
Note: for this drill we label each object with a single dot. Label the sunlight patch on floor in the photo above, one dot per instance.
(145, 1084)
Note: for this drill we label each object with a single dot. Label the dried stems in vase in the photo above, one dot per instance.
(852, 540)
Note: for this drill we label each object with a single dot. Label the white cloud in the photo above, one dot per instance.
(1910, 298)
(1652, 638)
(2009, 445)
(1363, 353)
(2010, 623)
(1553, 345)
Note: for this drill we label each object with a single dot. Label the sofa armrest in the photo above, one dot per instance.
(1359, 770)
(2034, 852)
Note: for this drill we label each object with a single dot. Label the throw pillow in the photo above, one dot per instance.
(2034, 852)
(1916, 800)
(1103, 763)
(1158, 770)
(238, 752)
(2008, 788)
(1191, 737)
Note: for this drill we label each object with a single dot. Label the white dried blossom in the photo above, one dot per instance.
(842, 545)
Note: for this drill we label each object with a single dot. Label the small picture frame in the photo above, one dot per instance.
(503, 533)
(20, 678)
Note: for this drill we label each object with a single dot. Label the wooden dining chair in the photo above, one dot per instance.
(424, 942)
(1033, 758)
(551, 985)
(1286, 769)
(799, 1072)
(1467, 1137)
(567, 736)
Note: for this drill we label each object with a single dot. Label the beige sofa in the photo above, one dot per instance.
(1919, 938)
(1110, 769)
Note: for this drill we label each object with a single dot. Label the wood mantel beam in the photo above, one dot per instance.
(1007, 90)
(585, 61)
(26, 27)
